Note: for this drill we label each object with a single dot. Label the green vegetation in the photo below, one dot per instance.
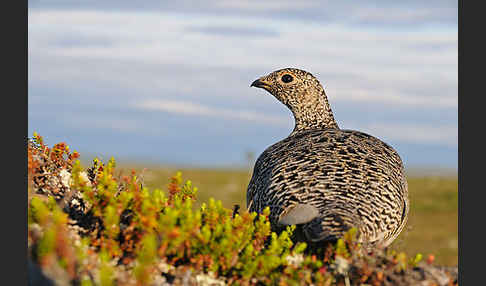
(433, 219)
(103, 226)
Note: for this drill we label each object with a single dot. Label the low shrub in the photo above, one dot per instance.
(95, 226)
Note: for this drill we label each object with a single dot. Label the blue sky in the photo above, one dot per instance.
(169, 81)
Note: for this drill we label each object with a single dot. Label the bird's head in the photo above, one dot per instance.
(293, 87)
(303, 94)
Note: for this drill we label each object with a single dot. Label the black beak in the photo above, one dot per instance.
(259, 83)
(256, 83)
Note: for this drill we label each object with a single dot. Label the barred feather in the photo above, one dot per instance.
(353, 179)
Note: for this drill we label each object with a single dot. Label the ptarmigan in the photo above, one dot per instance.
(325, 179)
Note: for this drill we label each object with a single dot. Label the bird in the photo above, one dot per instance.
(324, 179)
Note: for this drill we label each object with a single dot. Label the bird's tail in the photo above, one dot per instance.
(332, 223)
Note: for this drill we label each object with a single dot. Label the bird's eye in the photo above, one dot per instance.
(287, 78)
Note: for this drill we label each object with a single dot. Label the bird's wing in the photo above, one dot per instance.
(298, 214)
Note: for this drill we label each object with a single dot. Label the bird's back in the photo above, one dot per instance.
(351, 178)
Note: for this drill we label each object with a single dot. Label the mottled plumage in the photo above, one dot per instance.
(325, 179)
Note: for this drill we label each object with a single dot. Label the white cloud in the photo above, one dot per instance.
(401, 14)
(190, 108)
(380, 67)
(443, 135)
(392, 97)
(110, 122)
(268, 5)
(413, 13)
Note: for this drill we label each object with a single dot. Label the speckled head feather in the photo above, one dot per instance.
(303, 94)
(325, 179)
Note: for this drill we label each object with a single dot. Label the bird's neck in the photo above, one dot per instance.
(314, 114)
